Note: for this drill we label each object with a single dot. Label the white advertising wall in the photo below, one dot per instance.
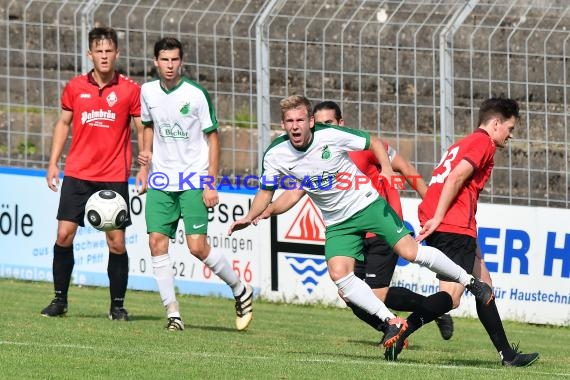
(527, 250)
(28, 228)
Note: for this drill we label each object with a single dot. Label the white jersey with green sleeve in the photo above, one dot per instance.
(181, 118)
(323, 169)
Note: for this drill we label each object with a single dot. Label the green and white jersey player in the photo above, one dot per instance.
(349, 211)
(184, 122)
(181, 145)
(329, 175)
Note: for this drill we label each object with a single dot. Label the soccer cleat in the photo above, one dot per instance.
(118, 313)
(244, 308)
(175, 324)
(520, 359)
(56, 308)
(481, 291)
(391, 353)
(445, 325)
(396, 326)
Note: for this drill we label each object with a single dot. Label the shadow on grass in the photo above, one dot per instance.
(213, 328)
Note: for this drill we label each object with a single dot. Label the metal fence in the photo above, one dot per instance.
(413, 71)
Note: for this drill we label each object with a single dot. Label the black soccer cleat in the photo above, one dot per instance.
(445, 325)
(56, 308)
(520, 359)
(391, 353)
(396, 326)
(481, 291)
(117, 313)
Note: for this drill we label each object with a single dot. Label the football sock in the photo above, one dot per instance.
(172, 310)
(356, 291)
(218, 263)
(490, 319)
(433, 306)
(372, 320)
(164, 276)
(118, 272)
(63, 262)
(403, 299)
(439, 263)
(397, 298)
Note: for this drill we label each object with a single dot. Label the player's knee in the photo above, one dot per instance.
(158, 244)
(456, 300)
(64, 238)
(198, 246)
(117, 245)
(337, 274)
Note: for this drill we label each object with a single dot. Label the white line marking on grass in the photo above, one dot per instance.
(47, 345)
(335, 360)
(339, 360)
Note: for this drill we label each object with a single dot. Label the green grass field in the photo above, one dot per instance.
(283, 342)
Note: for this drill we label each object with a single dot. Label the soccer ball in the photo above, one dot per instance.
(106, 210)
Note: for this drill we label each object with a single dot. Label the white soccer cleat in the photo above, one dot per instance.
(244, 308)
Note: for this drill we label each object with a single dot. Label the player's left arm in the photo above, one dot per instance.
(139, 127)
(410, 173)
(453, 184)
(145, 155)
(210, 194)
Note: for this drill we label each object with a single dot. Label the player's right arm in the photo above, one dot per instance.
(260, 202)
(451, 187)
(282, 204)
(60, 133)
(145, 153)
(379, 151)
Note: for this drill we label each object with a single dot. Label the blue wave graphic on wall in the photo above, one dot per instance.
(308, 269)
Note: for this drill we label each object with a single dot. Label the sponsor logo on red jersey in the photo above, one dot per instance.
(98, 118)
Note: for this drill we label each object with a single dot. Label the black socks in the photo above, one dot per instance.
(490, 319)
(398, 298)
(63, 262)
(403, 299)
(118, 271)
(433, 306)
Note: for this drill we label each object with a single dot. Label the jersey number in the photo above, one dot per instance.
(446, 161)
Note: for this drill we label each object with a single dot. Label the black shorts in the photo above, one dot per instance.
(75, 193)
(461, 249)
(378, 265)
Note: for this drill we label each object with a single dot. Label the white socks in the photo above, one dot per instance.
(164, 276)
(439, 263)
(359, 293)
(217, 262)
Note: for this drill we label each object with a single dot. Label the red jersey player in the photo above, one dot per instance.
(98, 107)
(447, 216)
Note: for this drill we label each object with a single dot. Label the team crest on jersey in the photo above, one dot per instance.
(111, 99)
(326, 153)
(185, 109)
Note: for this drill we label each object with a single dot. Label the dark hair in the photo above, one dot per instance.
(503, 108)
(103, 33)
(329, 105)
(168, 43)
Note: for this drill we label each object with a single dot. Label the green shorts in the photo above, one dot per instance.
(347, 238)
(163, 209)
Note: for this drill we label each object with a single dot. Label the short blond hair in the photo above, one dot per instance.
(293, 102)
